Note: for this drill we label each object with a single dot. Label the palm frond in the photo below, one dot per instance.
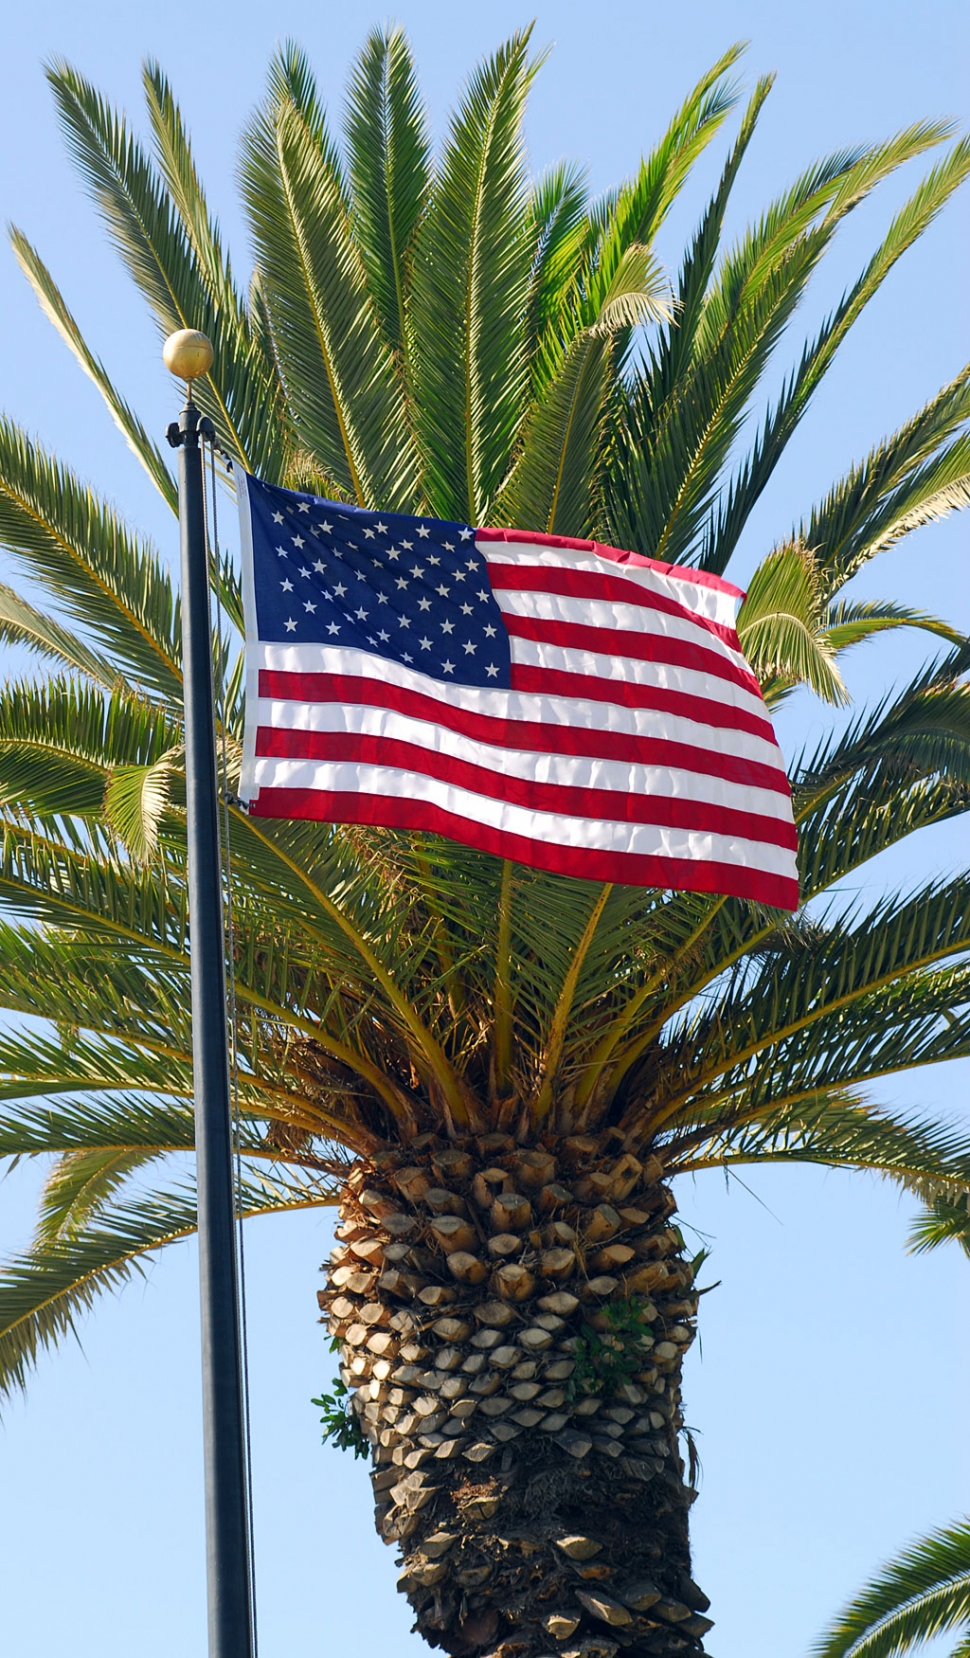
(923, 1593)
(104, 576)
(389, 163)
(22, 624)
(781, 626)
(44, 1292)
(345, 396)
(469, 294)
(55, 309)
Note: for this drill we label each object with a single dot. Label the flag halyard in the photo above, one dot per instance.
(567, 705)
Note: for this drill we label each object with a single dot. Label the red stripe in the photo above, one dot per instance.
(569, 800)
(532, 736)
(642, 647)
(680, 572)
(591, 584)
(629, 868)
(626, 693)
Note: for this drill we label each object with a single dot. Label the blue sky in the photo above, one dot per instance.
(828, 1390)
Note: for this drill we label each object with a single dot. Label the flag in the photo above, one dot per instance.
(553, 701)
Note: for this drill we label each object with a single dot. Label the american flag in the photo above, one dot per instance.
(553, 701)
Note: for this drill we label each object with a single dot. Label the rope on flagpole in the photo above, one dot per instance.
(222, 654)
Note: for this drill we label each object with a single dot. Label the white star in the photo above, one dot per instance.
(481, 594)
(361, 614)
(310, 607)
(320, 566)
(291, 626)
(466, 535)
(340, 590)
(287, 586)
(443, 590)
(298, 541)
(469, 649)
(448, 667)
(471, 564)
(369, 534)
(405, 657)
(393, 553)
(404, 621)
(432, 559)
(423, 531)
(333, 627)
(282, 552)
(490, 632)
(277, 518)
(402, 581)
(447, 627)
(303, 570)
(303, 507)
(425, 644)
(407, 545)
(314, 530)
(371, 641)
(491, 670)
(424, 604)
(382, 529)
(459, 575)
(327, 595)
(466, 610)
(449, 546)
(325, 527)
(384, 637)
(382, 598)
(417, 570)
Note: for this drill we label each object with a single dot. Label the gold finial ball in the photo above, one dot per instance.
(187, 353)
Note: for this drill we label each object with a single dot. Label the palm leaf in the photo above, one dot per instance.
(469, 293)
(389, 164)
(241, 393)
(924, 1592)
(346, 398)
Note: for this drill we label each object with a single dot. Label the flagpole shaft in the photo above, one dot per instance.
(223, 1421)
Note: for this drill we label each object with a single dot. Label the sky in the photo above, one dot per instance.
(828, 1389)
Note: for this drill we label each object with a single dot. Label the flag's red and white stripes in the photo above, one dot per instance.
(633, 744)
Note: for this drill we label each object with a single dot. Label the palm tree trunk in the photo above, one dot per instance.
(513, 1324)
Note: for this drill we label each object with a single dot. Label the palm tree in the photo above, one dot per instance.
(495, 1073)
(922, 1593)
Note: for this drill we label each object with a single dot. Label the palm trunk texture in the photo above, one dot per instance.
(512, 1325)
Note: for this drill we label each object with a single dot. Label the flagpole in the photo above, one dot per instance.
(189, 354)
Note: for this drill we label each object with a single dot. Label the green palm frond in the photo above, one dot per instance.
(44, 1292)
(851, 621)
(345, 396)
(22, 624)
(389, 164)
(756, 469)
(781, 626)
(54, 307)
(105, 577)
(241, 393)
(923, 1593)
(470, 285)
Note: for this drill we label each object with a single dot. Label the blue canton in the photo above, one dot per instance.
(408, 590)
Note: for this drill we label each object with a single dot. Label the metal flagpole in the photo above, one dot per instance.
(189, 354)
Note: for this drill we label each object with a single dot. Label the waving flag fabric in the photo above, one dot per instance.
(553, 701)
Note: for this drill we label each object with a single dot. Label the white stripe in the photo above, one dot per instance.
(665, 676)
(571, 770)
(575, 712)
(552, 827)
(713, 602)
(629, 618)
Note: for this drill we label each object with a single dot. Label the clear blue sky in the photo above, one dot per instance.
(829, 1389)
